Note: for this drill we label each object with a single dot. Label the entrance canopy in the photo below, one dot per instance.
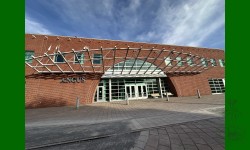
(115, 62)
(134, 68)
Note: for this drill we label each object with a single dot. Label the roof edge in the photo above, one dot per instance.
(124, 41)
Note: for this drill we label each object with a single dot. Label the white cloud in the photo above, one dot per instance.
(32, 26)
(188, 23)
(78, 11)
(107, 7)
(134, 4)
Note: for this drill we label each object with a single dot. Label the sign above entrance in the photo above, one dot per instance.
(73, 80)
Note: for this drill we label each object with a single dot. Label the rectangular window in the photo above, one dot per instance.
(190, 61)
(79, 58)
(217, 86)
(179, 61)
(204, 62)
(97, 59)
(222, 63)
(213, 62)
(28, 56)
(168, 61)
(59, 58)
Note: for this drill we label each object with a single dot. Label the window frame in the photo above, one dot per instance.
(55, 58)
(217, 85)
(222, 62)
(96, 59)
(213, 62)
(190, 61)
(204, 62)
(79, 61)
(29, 61)
(169, 61)
(179, 62)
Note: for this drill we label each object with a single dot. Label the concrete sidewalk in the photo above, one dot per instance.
(50, 125)
(114, 111)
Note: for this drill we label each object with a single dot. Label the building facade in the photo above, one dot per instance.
(61, 69)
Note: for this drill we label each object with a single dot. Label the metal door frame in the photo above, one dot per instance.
(97, 92)
(136, 91)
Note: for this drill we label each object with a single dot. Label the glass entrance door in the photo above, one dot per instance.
(134, 91)
(142, 92)
(130, 91)
(100, 94)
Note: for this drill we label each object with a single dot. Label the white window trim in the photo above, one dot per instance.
(170, 61)
(95, 59)
(76, 61)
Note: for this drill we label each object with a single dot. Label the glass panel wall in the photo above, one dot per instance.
(118, 87)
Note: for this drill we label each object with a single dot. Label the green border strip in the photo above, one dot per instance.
(237, 65)
(12, 75)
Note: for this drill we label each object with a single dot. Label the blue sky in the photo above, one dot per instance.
(179, 22)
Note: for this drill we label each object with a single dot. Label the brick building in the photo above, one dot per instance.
(60, 69)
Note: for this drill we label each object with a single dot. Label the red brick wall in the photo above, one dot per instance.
(50, 92)
(189, 84)
(44, 93)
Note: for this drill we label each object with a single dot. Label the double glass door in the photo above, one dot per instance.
(134, 91)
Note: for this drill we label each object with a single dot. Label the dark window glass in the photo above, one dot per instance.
(97, 59)
(59, 58)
